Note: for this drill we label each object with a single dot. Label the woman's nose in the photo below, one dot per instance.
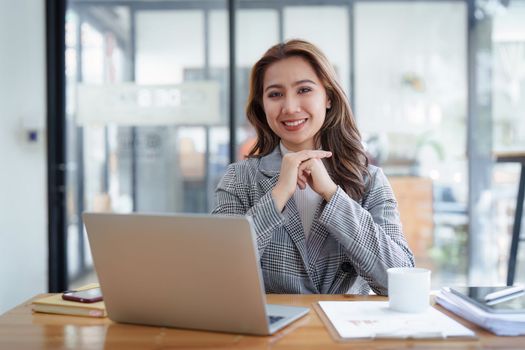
(291, 105)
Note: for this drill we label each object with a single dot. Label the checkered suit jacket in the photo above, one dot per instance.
(350, 245)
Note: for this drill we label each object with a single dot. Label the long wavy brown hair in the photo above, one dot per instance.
(348, 164)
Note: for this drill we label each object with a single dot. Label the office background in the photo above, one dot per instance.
(437, 87)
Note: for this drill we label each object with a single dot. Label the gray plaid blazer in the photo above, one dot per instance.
(350, 245)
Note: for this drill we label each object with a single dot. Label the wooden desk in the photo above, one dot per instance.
(515, 157)
(20, 329)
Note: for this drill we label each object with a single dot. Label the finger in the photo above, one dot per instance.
(306, 167)
(317, 154)
(305, 155)
(301, 182)
(302, 178)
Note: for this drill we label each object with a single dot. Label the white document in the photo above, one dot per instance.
(374, 319)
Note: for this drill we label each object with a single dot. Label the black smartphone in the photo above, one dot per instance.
(84, 296)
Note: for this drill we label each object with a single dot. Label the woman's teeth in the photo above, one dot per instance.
(295, 122)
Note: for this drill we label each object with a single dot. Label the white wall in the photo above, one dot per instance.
(23, 208)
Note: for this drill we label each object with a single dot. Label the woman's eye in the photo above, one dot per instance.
(274, 94)
(304, 90)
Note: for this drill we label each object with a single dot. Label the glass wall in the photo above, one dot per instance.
(507, 44)
(148, 108)
(147, 111)
(411, 106)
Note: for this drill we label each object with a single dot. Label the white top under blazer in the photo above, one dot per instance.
(307, 201)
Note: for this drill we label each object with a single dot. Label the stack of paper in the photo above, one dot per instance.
(498, 323)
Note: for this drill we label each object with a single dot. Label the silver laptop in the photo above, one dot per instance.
(185, 270)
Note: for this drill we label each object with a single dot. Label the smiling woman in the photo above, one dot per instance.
(295, 102)
(326, 221)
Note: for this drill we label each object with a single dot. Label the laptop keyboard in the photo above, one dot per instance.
(274, 319)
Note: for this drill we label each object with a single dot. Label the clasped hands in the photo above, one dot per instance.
(301, 168)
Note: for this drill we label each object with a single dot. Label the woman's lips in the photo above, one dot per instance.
(294, 124)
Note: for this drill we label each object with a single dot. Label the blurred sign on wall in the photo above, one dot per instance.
(191, 103)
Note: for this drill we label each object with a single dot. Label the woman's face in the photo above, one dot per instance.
(295, 102)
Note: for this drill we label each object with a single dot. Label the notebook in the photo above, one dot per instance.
(54, 304)
(183, 270)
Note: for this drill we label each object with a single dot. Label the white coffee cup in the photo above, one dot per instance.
(408, 289)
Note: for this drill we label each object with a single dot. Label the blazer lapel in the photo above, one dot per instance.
(270, 167)
(268, 183)
(316, 238)
(294, 227)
